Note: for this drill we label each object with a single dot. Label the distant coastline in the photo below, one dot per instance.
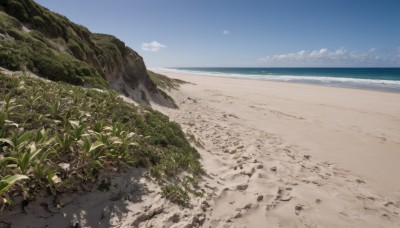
(378, 79)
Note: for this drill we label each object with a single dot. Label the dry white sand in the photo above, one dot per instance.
(294, 155)
(275, 154)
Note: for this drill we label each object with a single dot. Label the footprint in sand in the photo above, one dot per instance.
(283, 194)
(298, 208)
(242, 187)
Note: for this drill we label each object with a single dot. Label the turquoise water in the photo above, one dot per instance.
(383, 79)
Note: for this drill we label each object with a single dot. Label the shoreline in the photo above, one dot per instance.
(310, 81)
(289, 154)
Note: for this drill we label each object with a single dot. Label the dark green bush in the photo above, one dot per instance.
(57, 67)
(38, 21)
(11, 57)
(17, 9)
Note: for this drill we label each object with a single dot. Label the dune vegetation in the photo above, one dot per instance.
(165, 82)
(34, 51)
(56, 137)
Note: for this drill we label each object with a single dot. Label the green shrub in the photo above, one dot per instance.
(17, 9)
(57, 67)
(12, 58)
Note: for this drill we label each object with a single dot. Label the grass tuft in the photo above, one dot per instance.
(165, 82)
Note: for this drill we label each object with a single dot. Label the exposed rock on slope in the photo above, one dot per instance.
(34, 38)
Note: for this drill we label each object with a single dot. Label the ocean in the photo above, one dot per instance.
(381, 79)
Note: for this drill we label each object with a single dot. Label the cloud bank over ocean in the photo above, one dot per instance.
(339, 57)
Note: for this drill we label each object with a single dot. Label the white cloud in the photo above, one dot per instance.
(152, 46)
(339, 57)
(226, 32)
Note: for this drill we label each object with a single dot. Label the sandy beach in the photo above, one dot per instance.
(293, 155)
(199, 114)
(275, 155)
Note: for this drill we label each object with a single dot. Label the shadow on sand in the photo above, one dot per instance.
(98, 207)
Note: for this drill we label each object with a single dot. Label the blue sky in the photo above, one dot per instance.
(254, 33)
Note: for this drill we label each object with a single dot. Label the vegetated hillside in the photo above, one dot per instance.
(55, 138)
(48, 44)
(165, 82)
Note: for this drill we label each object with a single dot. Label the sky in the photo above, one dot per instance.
(247, 33)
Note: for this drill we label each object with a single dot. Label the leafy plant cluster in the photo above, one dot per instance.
(55, 137)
